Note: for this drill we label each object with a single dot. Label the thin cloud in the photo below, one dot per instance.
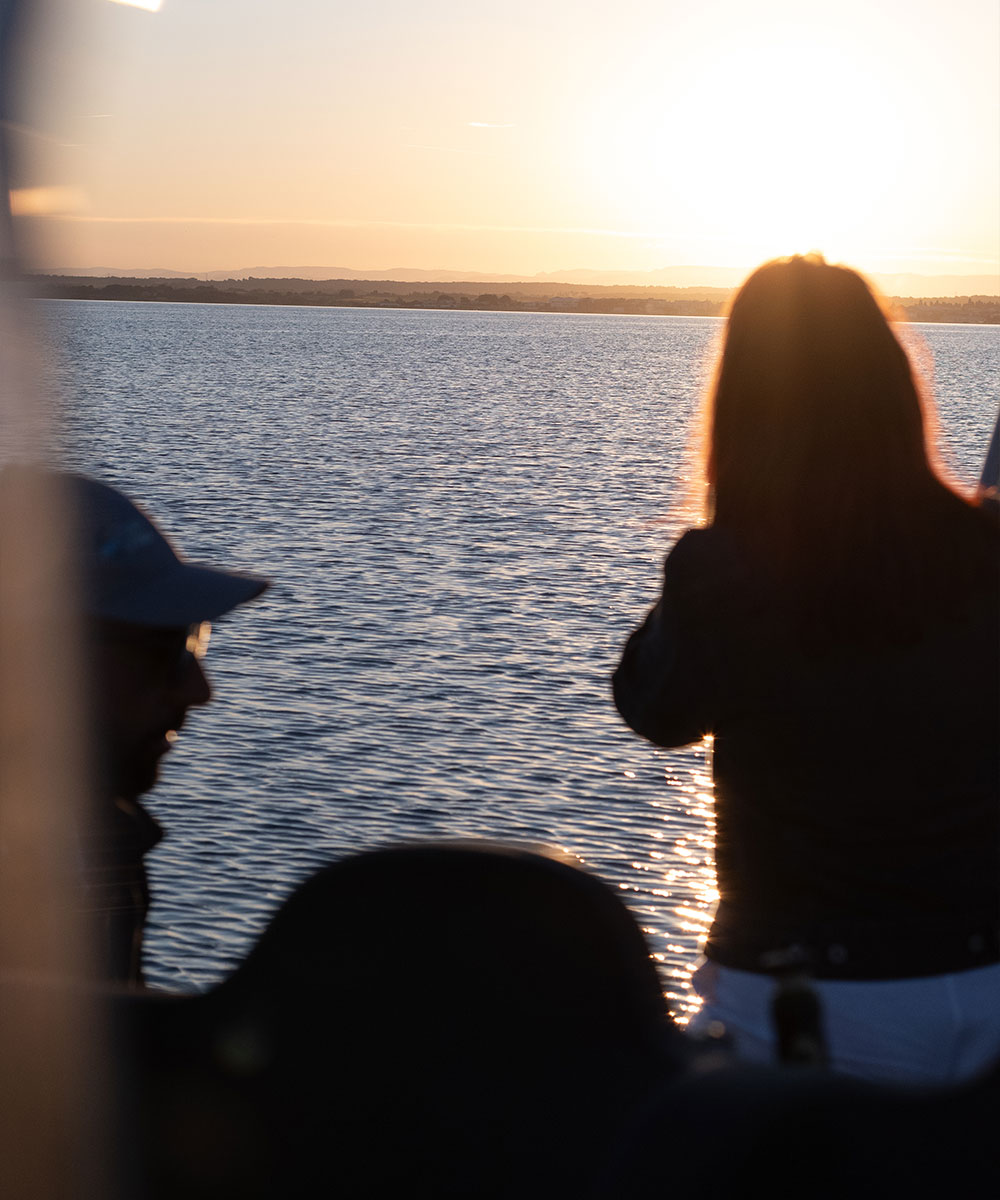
(444, 149)
(352, 223)
(939, 254)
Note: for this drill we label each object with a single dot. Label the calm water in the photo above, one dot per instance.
(463, 514)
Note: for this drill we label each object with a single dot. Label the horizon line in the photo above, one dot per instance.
(458, 275)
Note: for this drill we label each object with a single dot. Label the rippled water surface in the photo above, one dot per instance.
(464, 515)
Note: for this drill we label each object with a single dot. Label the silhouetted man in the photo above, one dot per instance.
(147, 614)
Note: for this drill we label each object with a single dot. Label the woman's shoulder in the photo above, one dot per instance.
(708, 561)
(707, 543)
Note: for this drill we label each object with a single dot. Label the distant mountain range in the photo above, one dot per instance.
(679, 277)
(667, 277)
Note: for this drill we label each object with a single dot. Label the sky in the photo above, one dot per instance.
(516, 137)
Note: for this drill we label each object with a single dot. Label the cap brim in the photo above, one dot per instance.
(183, 596)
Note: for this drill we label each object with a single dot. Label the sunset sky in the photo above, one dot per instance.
(528, 136)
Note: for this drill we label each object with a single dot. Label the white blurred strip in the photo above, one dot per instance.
(148, 5)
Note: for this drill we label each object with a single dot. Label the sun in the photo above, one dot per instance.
(783, 147)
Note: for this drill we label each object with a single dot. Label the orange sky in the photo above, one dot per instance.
(517, 138)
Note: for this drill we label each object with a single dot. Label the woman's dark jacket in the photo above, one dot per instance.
(857, 792)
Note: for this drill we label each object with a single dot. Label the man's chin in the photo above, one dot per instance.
(137, 778)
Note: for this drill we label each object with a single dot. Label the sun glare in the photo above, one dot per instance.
(780, 148)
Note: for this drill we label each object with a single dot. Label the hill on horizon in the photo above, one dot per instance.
(678, 277)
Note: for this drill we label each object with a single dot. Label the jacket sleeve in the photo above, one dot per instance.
(667, 682)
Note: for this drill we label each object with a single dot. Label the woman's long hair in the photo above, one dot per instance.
(817, 458)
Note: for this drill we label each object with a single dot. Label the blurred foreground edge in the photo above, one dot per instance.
(54, 1124)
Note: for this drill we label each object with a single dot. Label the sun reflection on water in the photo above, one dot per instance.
(675, 854)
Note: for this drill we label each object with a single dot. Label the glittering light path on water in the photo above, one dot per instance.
(464, 515)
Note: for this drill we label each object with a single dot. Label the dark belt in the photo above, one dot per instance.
(862, 951)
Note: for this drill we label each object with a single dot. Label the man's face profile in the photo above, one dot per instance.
(139, 598)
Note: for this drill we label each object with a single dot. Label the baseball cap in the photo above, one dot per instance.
(132, 573)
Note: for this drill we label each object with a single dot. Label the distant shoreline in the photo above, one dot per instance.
(630, 300)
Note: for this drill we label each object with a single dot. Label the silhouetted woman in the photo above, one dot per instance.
(835, 628)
